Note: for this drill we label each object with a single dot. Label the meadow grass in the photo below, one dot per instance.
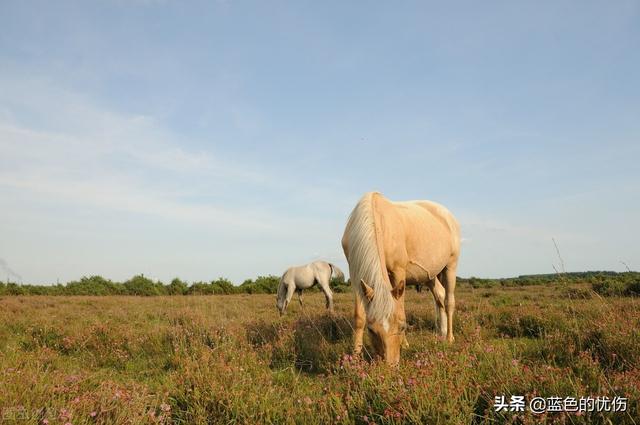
(232, 359)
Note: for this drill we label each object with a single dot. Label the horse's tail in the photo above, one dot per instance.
(336, 272)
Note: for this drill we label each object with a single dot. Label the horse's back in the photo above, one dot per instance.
(433, 212)
(320, 266)
(302, 276)
(418, 232)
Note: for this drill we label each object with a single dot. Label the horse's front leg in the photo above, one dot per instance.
(398, 278)
(360, 320)
(300, 297)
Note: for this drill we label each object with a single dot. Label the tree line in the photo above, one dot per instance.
(143, 286)
(606, 283)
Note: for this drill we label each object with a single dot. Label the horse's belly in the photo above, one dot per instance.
(305, 278)
(423, 269)
(428, 254)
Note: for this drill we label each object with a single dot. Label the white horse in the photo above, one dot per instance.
(304, 277)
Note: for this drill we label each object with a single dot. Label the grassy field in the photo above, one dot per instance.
(232, 359)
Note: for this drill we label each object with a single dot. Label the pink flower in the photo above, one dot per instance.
(93, 414)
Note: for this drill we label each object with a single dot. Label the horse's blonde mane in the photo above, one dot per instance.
(366, 261)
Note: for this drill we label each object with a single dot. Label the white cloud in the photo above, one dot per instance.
(70, 169)
(72, 151)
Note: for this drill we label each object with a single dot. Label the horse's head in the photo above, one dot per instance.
(388, 335)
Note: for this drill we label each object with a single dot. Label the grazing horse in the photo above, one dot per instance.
(388, 245)
(304, 277)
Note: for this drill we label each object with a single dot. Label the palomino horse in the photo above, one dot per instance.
(304, 277)
(389, 244)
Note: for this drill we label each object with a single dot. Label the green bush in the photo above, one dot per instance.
(140, 285)
(177, 287)
(262, 285)
(201, 288)
(223, 286)
(622, 284)
(94, 285)
(633, 288)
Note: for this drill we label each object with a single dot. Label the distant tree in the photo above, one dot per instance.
(37, 290)
(140, 285)
(262, 285)
(223, 286)
(15, 289)
(340, 286)
(93, 285)
(177, 287)
(200, 288)
(267, 284)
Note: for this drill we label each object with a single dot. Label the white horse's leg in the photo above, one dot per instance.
(291, 287)
(450, 300)
(324, 284)
(300, 297)
(438, 292)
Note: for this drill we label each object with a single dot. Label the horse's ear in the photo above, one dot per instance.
(366, 290)
(398, 290)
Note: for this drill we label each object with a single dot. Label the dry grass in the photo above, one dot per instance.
(231, 359)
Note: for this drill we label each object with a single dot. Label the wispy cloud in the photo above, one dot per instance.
(112, 161)
(73, 154)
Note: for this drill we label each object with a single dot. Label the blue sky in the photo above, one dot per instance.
(233, 138)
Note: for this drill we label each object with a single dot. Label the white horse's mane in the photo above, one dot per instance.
(365, 262)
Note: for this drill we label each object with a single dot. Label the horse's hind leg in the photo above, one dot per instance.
(450, 300)
(438, 292)
(300, 297)
(328, 295)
